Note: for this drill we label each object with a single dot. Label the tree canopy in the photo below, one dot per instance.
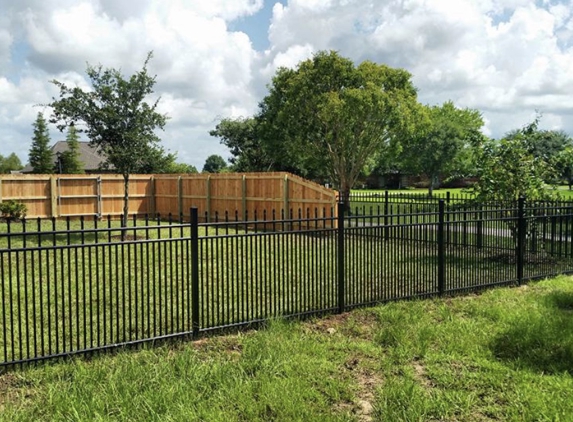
(441, 147)
(544, 144)
(249, 152)
(114, 115)
(330, 114)
(563, 163)
(508, 169)
(214, 164)
(116, 118)
(40, 155)
(69, 159)
(10, 163)
(180, 168)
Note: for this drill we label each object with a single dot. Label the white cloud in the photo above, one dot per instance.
(504, 57)
(507, 57)
(204, 71)
(289, 58)
(226, 9)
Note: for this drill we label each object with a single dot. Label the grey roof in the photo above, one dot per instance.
(88, 156)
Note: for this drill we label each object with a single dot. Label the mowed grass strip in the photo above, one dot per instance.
(506, 354)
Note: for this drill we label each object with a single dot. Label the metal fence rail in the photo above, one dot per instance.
(74, 286)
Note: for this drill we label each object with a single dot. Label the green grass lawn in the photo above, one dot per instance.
(415, 191)
(504, 355)
(563, 191)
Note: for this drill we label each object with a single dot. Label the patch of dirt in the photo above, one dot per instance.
(367, 381)
(330, 321)
(352, 324)
(229, 344)
(7, 382)
(10, 386)
(451, 300)
(358, 325)
(421, 375)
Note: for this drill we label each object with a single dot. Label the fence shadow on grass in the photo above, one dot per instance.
(542, 342)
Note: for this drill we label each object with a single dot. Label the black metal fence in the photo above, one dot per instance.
(72, 287)
(407, 196)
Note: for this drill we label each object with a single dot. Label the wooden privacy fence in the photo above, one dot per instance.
(102, 195)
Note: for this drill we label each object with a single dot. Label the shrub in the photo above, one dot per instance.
(12, 210)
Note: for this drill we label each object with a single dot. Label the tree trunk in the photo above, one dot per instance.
(433, 184)
(345, 197)
(125, 214)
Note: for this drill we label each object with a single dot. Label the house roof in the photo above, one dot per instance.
(88, 156)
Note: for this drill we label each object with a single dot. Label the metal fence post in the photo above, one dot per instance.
(479, 228)
(441, 247)
(195, 271)
(568, 230)
(341, 270)
(386, 228)
(521, 233)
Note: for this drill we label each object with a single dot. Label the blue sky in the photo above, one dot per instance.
(256, 26)
(214, 58)
(19, 52)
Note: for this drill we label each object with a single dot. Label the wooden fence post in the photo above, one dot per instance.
(152, 199)
(244, 196)
(179, 195)
(285, 193)
(54, 196)
(208, 197)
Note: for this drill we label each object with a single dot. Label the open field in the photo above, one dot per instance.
(503, 355)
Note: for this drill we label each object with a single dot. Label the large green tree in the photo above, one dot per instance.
(248, 151)
(330, 114)
(40, 155)
(70, 159)
(555, 147)
(440, 147)
(214, 164)
(545, 144)
(117, 119)
(551, 146)
(507, 169)
(10, 163)
(181, 168)
(564, 165)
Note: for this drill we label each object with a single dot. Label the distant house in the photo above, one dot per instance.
(88, 156)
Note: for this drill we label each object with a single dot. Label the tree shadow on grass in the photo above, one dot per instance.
(542, 341)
